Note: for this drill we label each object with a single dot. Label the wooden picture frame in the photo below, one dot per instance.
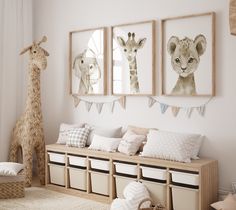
(188, 55)
(133, 57)
(88, 61)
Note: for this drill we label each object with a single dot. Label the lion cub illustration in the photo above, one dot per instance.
(185, 58)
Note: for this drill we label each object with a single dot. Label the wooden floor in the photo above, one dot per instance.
(36, 182)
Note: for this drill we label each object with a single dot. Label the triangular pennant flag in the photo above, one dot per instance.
(99, 107)
(163, 107)
(201, 110)
(175, 110)
(112, 106)
(76, 100)
(122, 101)
(188, 111)
(88, 105)
(151, 102)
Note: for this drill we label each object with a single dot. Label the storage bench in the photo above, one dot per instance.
(104, 176)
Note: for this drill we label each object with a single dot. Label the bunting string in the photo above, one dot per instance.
(99, 105)
(188, 110)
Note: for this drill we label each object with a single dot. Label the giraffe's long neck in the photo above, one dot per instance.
(33, 102)
(134, 84)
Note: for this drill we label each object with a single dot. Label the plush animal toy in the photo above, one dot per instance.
(134, 193)
(28, 131)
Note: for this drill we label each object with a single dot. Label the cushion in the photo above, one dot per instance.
(170, 145)
(228, 204)
(77, 137)
(103, 143)
(63, 132)
(197, 147)
(131, 143)
(138, 130)
(10, 168)
(107, 132)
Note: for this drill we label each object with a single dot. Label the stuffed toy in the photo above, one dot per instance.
(134, 193)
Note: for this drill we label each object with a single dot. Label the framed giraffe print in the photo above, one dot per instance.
(133, 59)
(88, 62)
(188, 55)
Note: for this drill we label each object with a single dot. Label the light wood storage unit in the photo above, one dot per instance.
(161, 177)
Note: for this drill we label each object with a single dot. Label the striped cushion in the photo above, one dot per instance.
(78, 137)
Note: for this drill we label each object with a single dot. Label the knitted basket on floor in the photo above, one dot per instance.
(156, 207)
(12, 186)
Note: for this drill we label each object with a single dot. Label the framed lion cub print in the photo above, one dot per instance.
(188, 60)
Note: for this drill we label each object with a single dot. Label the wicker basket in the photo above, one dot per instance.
(156, 207)
(12, 186)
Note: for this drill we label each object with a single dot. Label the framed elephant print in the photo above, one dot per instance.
(88, 57)
(133, 59)
(188, 55)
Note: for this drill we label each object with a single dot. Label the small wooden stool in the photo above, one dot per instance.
(12, 186)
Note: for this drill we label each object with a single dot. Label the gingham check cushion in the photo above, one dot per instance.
(78, 137)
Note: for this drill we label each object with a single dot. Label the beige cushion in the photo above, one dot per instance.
(103, 131)
(131, 143)
(138, 130)
(228, 204)
(170, 145)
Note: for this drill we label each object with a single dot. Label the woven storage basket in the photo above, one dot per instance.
(156, 207)
(12, 186)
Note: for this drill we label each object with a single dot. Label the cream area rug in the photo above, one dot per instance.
(42, 199)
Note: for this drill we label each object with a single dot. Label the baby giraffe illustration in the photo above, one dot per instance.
(185, 58)
(130, 49)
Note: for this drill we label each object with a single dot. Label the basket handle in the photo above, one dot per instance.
(143, 201)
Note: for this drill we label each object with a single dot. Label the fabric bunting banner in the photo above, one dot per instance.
(88, 105)
(164, 107)
(151, 102)
(176, 109)
(99, 105)
(188, 111)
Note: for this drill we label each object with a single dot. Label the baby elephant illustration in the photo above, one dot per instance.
(185, 58)
(86, 68)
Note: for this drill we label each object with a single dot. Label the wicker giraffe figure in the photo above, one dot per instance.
(130, 49)
(28, 131)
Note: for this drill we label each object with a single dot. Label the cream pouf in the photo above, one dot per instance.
(11, 180)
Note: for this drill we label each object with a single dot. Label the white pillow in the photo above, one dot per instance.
(77, 137)
(64, 131)
(197, 147)
(10, 168)
(170, 145)
(107, 132)
(131, 143)
(105, 143)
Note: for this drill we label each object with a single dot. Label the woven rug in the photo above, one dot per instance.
(42, 199)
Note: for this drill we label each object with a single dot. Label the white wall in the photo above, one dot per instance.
(15, 32)
(55, 18)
